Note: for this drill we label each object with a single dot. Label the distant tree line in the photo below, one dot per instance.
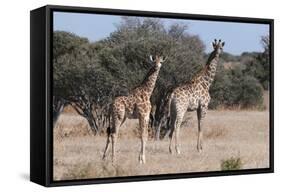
(242, 82)
(89, 75)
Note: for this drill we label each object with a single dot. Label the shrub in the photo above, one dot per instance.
(231, 164)
(251, 92)
(235, 88)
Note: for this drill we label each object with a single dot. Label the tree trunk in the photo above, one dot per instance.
(158, 130)
(58, 106)
(84, 108)
(93, 124)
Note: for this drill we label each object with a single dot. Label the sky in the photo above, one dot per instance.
(239, 37)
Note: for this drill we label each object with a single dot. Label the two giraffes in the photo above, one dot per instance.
(191, 96)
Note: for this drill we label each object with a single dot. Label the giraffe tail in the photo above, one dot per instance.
(108, 131)
(169, 101)
(108, 115)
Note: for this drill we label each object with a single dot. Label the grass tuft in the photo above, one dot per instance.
(231, 164)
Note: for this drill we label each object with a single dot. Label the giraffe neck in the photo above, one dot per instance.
(210, 69)
(150, 79)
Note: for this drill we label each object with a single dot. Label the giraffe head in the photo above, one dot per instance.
(218, 46)
(158, 60)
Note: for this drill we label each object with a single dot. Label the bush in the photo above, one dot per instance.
(235, 88)
(231, 164)
(251, 93)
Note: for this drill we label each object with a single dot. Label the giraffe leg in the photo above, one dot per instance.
(177, 131)
(118, 118)
(201, 113)
(114, 140)
(171, 141)
(106, 146)
(172, 134)
(144, 121)
(114, 137)
(144, 134)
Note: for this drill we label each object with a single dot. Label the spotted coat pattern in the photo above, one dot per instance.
(191, 96)
(135, 106)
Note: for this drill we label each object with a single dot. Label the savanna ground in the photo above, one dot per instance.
(238, 134)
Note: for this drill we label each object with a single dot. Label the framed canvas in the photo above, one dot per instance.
(122, 95)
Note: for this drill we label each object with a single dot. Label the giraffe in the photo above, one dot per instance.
(191, 96)
(134, 106)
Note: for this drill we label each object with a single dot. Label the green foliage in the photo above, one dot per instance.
(90, 75)
(257, 64)
(258, 67)
(235, 88)
(251, 92)
(96, 72)
(227, 57)
(231, 164)
(242, 83)
(76, 69)
(126, 54)
(123, 57)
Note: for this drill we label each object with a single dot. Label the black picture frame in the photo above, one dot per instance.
(41, 135)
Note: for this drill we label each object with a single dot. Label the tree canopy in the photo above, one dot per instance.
(89, 75)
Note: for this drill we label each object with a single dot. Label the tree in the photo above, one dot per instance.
(235, 88)
(58, 106)
(259, 64)
(89, 75)
(128, 48)
(64, 44)
(78, 78)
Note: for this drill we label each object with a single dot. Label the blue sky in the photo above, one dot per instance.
(239, 37)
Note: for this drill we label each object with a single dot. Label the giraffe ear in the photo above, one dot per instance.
(222, 44)
(214, 45)
(151, 58)
(163, 59)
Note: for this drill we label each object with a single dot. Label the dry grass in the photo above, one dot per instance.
(227, 134)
